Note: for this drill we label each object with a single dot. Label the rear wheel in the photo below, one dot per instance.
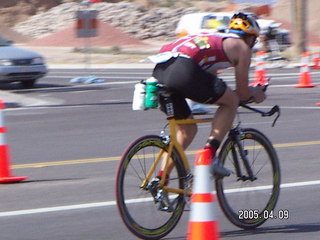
(149, 212)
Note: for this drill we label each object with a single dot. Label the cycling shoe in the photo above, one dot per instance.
(219, 171)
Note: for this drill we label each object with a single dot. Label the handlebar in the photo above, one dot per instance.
(272, 111)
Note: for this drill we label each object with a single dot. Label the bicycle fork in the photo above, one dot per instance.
(235, 136)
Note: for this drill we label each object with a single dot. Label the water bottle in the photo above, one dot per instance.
(151, 93)
(139, 97)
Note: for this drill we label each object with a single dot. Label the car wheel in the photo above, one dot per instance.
(28, 83)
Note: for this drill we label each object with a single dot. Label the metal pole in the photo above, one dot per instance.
(87, 53)
(87, 46)
(86, 14)
(300, 24)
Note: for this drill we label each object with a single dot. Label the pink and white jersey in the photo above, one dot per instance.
(205, 49)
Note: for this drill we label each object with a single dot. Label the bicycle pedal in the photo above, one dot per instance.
(163, 200)
(165, 208)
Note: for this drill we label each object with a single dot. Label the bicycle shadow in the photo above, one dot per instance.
(291, 228)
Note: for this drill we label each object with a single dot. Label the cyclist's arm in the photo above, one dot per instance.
(239, 55)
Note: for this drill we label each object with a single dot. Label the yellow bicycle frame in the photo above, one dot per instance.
(172, 123)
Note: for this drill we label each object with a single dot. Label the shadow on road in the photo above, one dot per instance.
(291, 228)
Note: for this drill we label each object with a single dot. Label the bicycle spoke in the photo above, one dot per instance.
(255, 156)
(137, 172)
(243, 193)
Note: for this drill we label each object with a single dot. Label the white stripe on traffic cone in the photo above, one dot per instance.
(202, 223)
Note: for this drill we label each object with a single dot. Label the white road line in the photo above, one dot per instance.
(113, 203)
(57, 209)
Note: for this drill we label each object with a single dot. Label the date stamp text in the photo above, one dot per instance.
(252, 214)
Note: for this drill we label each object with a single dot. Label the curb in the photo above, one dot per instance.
(13, 100)
(105, 66)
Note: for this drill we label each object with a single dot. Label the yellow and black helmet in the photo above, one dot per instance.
(244, 24)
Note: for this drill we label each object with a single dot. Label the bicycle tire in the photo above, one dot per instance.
(248, 204)
(137, 207)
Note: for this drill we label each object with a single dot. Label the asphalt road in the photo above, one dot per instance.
(69, 149)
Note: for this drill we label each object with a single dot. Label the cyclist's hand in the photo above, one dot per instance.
(258, 93)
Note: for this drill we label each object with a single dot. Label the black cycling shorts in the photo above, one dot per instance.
(186, 79)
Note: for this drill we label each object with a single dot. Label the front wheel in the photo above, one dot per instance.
(147, 210)
(249, 202)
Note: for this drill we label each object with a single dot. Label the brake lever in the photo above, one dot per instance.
(274, 109)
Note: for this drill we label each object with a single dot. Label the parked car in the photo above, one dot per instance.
(207, 22)
(20, 65)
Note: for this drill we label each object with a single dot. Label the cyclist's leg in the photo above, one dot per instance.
(221, 124)
(185, 134)
(223, 119)
(212, 90)
(176, 74)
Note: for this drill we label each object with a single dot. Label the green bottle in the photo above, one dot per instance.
(151, 93)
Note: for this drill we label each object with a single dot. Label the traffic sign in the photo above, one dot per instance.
(86, 23)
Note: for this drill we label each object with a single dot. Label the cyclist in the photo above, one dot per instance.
(268, 37)
(188, 68)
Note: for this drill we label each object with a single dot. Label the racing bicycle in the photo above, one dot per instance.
(151, 206)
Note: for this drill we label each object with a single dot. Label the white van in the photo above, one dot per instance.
(218, 21)
(202, 22)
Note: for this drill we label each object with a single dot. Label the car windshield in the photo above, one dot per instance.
(4, 42)
(213, 22)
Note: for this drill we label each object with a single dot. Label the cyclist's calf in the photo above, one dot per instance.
(186, 133)
(223, 119)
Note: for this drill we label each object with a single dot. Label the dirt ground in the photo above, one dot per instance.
(100, 55)
(107, 35)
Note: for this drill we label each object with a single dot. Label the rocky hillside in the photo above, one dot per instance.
(142, 22)
(144, 19)
(15, 11)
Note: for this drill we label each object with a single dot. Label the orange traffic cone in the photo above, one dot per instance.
(5, 175)
(316, 61)
(316, 57)
(260, 72)
(202, 223)
(305, 76)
